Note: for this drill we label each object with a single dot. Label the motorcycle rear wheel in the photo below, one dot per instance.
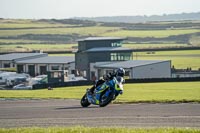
(84, 101)
(104, 100)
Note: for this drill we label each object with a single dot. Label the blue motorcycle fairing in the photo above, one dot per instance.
(94, 99)
(90, 98)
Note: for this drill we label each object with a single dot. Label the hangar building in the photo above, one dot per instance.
(135, 69)
(9, 60)
(37, 63)
(39, 66)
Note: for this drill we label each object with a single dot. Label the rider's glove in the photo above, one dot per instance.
(121, 92)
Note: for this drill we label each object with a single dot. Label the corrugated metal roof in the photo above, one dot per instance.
(103, 49)
(15, 56)
(128, 64)
(101, 38)
(49, 60)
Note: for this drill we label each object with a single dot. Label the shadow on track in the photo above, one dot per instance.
(78, 107)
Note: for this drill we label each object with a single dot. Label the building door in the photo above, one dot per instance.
(6, 65)
(43, 69)
(20, 68)
(31, 70)
(93, 76)
(100, 73)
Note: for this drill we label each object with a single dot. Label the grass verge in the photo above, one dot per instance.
(97, 130)
(173, 92)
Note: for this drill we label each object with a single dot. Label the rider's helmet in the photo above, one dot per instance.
(120, 72)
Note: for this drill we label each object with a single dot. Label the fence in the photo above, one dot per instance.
(62, 84)
(82, 83)
(154, 80)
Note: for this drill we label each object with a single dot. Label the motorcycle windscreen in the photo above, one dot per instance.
(119, 85)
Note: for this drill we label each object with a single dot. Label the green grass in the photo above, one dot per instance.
(13, 69)
(95, 30)
(18, 41)
(56, 28)
(150, 33)
(63, 92)
(32, 25)
(177, 62)
(143, 92)
(31, 47)
(37, 45)
(171, 53)
(180, 59)
(80, 129)
(25, 23)
(161, 92)
(141, 46)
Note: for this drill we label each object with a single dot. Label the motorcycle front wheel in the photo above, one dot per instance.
(84, 101)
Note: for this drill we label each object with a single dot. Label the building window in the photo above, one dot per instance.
(55, 68)
(113, 56)
(55, 74)
(120, 56)
(73, 72)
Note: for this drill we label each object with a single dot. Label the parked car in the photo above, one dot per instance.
(17, 79)
(5, 75)
(22, 87)
(41, 79)
(12, 81)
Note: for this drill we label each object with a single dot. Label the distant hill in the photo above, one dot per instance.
(138, 19)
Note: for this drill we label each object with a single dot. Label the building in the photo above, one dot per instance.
(38, 66)
(99, 49)
(135, 69)
(9, 60)
(97, 56)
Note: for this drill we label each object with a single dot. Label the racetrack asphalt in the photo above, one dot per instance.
(62, 112)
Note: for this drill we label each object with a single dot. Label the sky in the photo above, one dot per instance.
(59, 9)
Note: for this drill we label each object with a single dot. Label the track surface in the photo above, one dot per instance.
(45, 113)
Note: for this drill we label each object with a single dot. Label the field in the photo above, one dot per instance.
(153, 45)
(58, 35)
(151, 33)
(22, 35)
(80, 30)
(133, 93)
(99, 31)
(55, 35)
(26, 33)
(98, 130)
(14, 45)
(180, 59)
(31, 47)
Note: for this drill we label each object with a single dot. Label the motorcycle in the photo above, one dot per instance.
(108, 92)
